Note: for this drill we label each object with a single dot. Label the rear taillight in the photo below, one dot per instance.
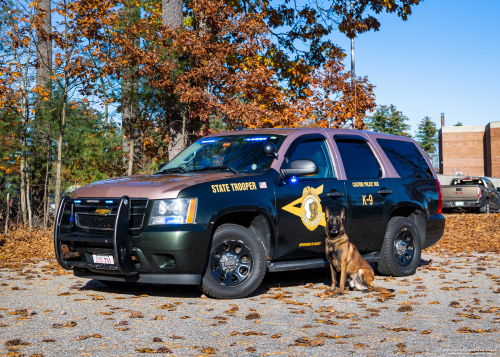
(440, 197)
(478, 192)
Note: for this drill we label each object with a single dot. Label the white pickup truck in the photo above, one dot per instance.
(471, 193)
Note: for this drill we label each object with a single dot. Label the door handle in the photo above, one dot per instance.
(384, 191)
(335, 194)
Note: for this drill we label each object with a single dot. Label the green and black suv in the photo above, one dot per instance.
(233, 206)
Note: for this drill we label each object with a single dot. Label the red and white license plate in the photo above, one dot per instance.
(103, 259)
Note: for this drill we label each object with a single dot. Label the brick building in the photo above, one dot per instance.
(470, 150)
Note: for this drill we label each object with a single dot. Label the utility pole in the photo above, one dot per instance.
(353, 74)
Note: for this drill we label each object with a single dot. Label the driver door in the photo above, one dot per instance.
(301, 204)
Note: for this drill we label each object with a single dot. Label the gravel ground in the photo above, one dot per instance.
(450, 306)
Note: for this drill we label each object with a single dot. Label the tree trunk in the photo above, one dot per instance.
(46, 186)
(7, 214)
(172, 16)
(42, 107)
(62, 126)
(130, 96)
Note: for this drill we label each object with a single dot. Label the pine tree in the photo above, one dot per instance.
(389, 120)
(427, 138)
(427, 135)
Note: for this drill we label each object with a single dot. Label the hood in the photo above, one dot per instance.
(148, 186)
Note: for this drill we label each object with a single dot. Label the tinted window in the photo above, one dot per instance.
(317, 151)
(406, 158)
(358, 159)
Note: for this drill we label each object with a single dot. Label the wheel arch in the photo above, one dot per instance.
(255, 219)
(414, 213)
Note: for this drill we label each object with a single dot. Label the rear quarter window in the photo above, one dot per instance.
(406, 158)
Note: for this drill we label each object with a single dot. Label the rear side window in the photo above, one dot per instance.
(406, 158)
(358, 159)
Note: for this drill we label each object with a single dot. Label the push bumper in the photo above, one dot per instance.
(160, 254)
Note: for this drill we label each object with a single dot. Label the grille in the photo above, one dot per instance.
(139, 203)
(136, 221)
(92, 221)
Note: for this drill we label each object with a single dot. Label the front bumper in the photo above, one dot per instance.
(160, 254)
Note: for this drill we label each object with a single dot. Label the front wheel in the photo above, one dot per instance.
(401, 250)
(236, 264)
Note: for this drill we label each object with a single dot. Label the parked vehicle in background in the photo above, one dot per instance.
(471, 193)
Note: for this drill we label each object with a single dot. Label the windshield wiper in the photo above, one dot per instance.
(210, 168)
(178, 168)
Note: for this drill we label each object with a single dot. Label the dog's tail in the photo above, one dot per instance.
(382, 290)
(379, 289)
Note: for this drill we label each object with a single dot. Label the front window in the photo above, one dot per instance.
(237, 153)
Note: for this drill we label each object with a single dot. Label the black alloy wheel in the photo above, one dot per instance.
(236, 265)
(401, 249)
(231, 262)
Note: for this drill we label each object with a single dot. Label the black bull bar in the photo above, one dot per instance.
(121, 241)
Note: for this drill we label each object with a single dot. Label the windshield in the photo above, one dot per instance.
(237, 153)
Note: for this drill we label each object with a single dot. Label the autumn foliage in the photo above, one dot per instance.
(219, 67)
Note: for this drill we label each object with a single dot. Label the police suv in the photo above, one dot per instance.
(235, 205)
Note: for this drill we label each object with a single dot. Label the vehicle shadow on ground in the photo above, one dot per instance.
(283, 280)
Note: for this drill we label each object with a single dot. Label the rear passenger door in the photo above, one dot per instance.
(370, 196)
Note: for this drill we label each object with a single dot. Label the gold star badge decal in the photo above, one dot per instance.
(310, 210)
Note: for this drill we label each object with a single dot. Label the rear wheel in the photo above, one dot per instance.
(236, 265)
(486, 208)
(401, 250)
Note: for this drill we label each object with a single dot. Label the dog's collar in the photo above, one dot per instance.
(337, 242)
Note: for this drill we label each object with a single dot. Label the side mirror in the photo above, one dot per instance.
(269, 149)
(299, 168)
(161, 166)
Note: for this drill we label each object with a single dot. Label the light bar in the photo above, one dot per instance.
(255, 139)
(77, 201)
(109, 201)
(207, 141)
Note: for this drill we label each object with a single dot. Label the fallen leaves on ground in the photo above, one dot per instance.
(468, 232)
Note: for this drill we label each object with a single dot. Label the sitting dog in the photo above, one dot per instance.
(345, 258)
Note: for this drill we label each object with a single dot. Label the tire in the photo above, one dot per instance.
(236, 264)
(486, 208)
(401, 249)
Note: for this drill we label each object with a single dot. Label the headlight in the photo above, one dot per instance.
(176, 211)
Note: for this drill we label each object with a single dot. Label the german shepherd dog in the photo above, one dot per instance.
(345, 258)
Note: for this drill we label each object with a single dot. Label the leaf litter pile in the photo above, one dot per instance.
(469, 232)
(452, 300)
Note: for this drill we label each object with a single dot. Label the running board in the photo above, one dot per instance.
(313, 263)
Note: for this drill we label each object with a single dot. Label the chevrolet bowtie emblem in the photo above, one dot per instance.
(102, 211)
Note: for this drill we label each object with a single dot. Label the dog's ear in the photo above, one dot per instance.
(327, 213)
(342, 213)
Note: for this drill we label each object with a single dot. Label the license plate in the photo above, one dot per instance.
(103, 259)
(459, 203)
